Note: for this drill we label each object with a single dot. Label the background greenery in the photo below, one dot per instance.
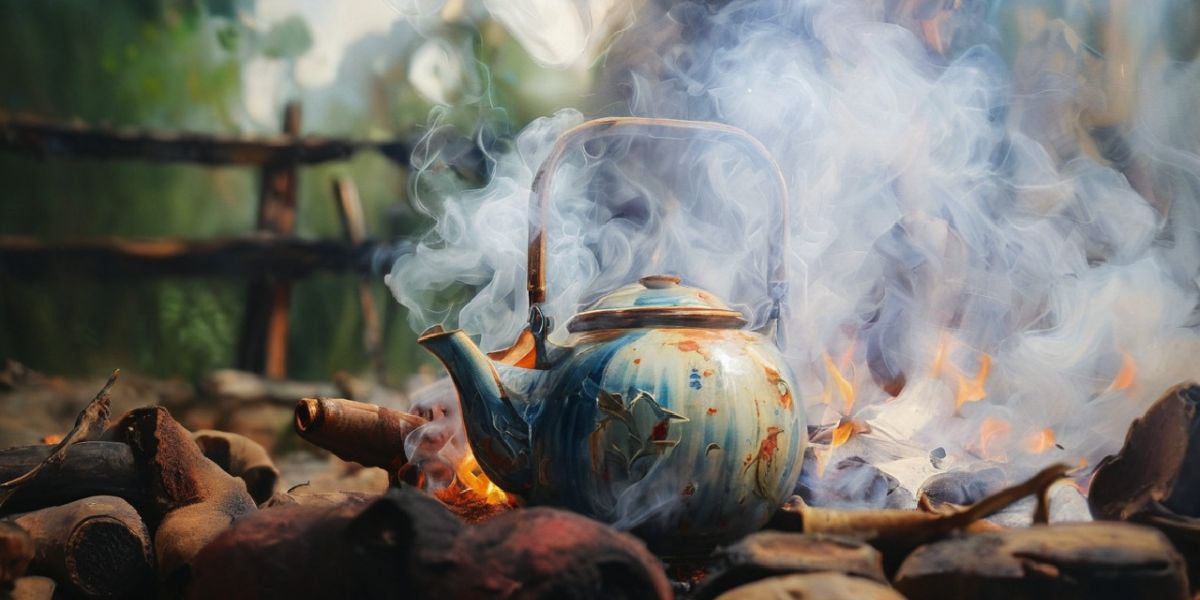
(179, 65)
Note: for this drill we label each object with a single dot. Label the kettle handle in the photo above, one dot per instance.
(539, 201)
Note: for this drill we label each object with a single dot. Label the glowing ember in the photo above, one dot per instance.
(992, 432)
(973, 389)
(53, 438)
(1125, 376)
(844, 387)
(1040, 442)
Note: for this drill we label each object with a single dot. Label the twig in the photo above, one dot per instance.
(91, 422)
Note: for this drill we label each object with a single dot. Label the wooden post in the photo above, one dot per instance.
(354, 226)
(263, 346)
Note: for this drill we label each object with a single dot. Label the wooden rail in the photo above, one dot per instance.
(47, 138)
(121, 258)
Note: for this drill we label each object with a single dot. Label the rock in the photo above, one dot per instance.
(771, 554)
(820, 586)
(1078, 560)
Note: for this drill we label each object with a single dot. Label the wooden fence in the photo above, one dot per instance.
(271, 259)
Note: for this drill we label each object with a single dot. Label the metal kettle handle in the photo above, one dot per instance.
(539, 199)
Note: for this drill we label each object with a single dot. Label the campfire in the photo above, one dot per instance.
(852, 300)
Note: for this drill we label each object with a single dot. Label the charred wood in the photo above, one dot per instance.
(96, 548)
(88, 469)
(364, 433)
(32, 587)
(16, 552)
(241, 457)
(192, 500)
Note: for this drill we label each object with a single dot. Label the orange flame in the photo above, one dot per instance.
(471, 477)
(1126, 374)
(844, 387)
(973, 389)
(842, 433)
(1040, 441)
(939, 358)
(992, 430)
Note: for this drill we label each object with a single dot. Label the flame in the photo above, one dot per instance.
(844, 387)
(471, 477)
(992, 431)
(842, 433)
(1126, 374)
(939, 358)
(973, 389)
(1040, 441)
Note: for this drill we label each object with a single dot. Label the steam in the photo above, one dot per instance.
(964, 191)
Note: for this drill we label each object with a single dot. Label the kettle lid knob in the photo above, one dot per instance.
(659, 282)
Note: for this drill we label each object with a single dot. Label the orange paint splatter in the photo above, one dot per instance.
(770, 444)
(707, 373)
(691, 346)
(711, 411)
(781, 386)
(637, 361)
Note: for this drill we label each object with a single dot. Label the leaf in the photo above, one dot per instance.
(288, 38)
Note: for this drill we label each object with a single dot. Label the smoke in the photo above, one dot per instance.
(992, 234)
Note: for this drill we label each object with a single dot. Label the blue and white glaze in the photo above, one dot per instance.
(691, 437)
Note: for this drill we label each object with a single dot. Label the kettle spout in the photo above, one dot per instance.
(498, 435)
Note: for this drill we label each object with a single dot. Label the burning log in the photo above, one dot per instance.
(395, 546)
(192, 499)
(16, 551)
(241, 457)
(772, 554)
(826, 586)
(88, 469)
(97, 548)
(896, 532)
(32, 587)
(1153, 479)
(367, 434)
(1076, 560)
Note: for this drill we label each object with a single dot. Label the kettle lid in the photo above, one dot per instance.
(657, 301)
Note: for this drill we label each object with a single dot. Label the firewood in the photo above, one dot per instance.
(1153, 479)
(16, 551)
(367, 434)
(1076, 560)
(826, 586)
(317, 499)
(896, 532)
(88, 469)
(32, 587)
(96, 548)
(191, 498)
(241, 457)
(773, 554)
(89, 425)
(392, 547)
